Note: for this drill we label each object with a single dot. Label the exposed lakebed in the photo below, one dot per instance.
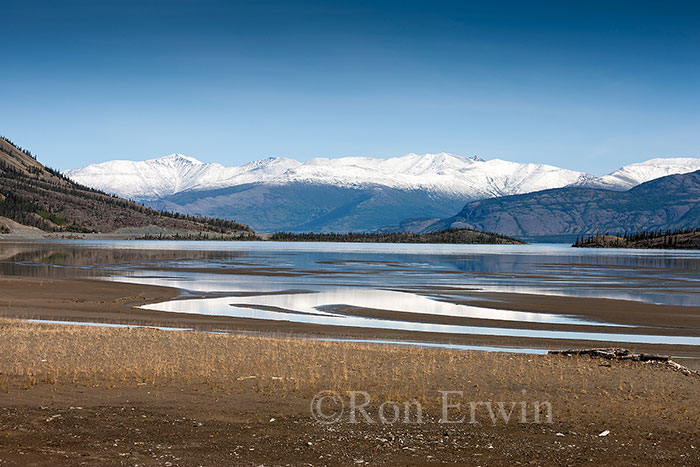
(544, 293)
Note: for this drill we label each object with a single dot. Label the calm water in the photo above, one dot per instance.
(319, 282)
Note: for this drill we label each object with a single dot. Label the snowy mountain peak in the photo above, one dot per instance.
(440, 173)
(632, 175)
(438, 156)
(177, 159)
(467, 178)
(432, 155)
(271, 162)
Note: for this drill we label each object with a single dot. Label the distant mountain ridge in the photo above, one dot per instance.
(632, 175)
(469, 177)
(666, 203)
(345, 194)
(169, 175)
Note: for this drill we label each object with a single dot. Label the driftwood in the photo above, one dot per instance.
(625, 354)
(645, 357)
(605, 353)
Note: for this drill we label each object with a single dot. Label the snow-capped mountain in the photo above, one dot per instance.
(345, 194)
(632, 175)
(158, 178)
(471, 178)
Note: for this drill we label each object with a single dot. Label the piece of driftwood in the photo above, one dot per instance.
(645, 357)
(626, 354)
(616, 353)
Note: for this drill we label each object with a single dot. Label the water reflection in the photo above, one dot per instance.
(224, 307)
(374, 299)
(75, 259)
(662, 277)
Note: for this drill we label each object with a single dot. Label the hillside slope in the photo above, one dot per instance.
(299, 207)
(37, 196)
(668, 203)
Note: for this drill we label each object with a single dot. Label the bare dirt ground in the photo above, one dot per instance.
(187, 433)
(77, 395)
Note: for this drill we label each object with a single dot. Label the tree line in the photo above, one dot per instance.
(453, 236)
(670, 237)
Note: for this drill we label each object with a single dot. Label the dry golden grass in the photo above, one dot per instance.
(579, 388)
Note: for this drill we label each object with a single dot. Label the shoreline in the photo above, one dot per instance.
(18, 233)
(91, 300)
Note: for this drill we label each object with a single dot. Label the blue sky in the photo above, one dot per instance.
(584, 85)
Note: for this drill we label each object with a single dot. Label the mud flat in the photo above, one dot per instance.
(98, 301)
(90, 300)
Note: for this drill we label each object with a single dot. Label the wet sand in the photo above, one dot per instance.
(114, 302)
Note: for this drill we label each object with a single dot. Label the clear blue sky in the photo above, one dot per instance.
(586, 85)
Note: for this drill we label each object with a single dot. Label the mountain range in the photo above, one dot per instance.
(346, 194)
(666, 203)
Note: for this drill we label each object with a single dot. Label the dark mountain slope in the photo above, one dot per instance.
(671, 202)
(304, 207)
(37, 196)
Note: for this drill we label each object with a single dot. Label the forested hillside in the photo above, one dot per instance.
(38, 196)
